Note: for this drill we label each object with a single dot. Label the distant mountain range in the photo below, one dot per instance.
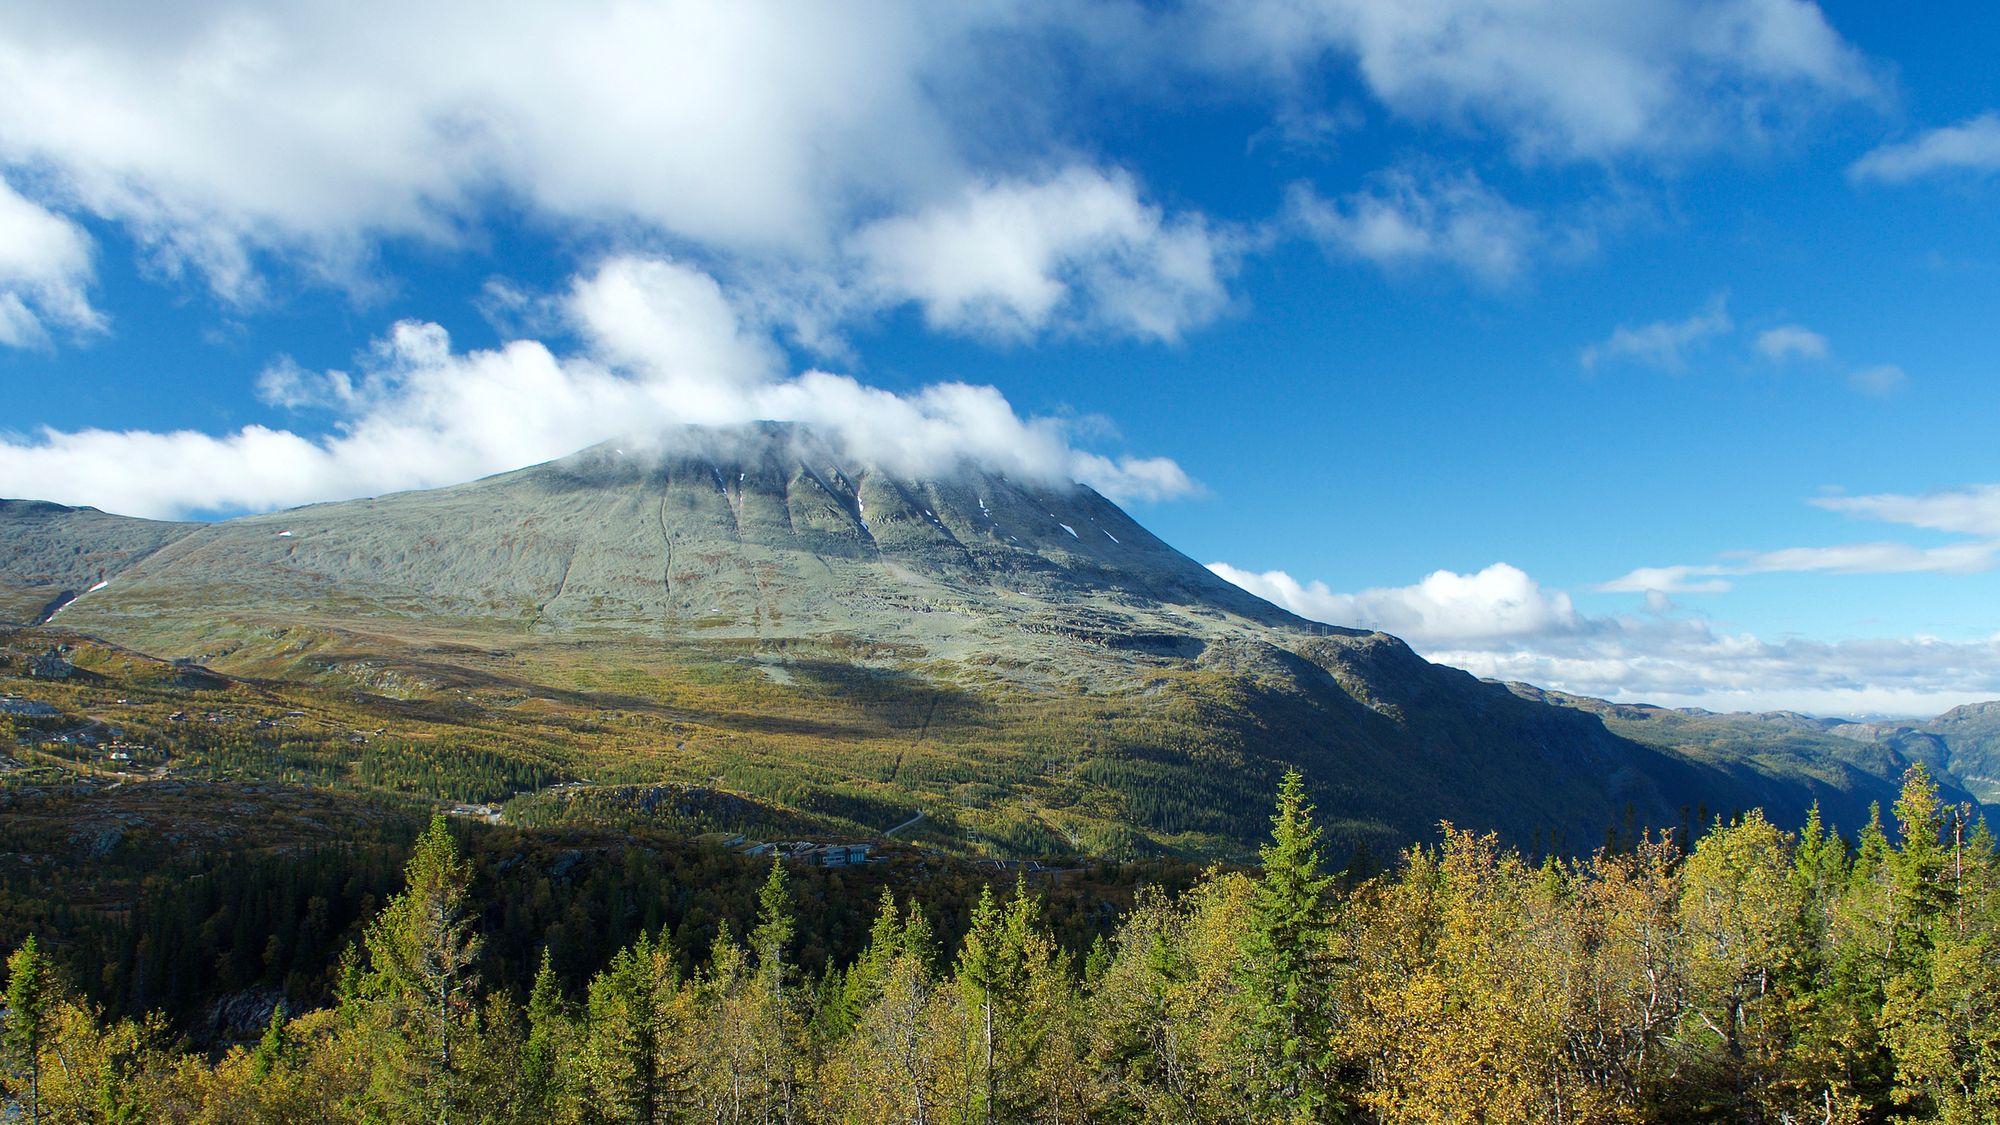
(1019, 659)
(1962, 744)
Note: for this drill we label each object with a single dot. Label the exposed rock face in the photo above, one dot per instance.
(767, 532)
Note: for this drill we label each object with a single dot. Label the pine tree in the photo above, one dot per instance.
(751, 1065)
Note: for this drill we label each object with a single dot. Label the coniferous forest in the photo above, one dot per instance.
(1763, 976)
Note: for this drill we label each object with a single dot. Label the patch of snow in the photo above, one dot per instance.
(284, 535)
(1071, 530)
(99, 586)
(1109, 536)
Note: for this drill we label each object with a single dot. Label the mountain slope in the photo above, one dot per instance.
(51, 553)
(1772, 753)
(1019, 660)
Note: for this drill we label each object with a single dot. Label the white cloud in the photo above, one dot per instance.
(664, 346)
(1570, 79)
(830, 163)
(1402, 221)
(1693, 663)
(1841, 558)
(221, 131)
(1498, 602)
(1133, 478)
(1791, 341)
(1011, 259)
(1650, 580)
(1884, 379)
(1501, 624)
(763, 133)
(1974, 510)
(1663, 344)
(44, 273)
(672, 323)
(1875, 558)
(1969, 146)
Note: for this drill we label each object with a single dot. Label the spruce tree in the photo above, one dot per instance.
(31, 1002)
(421, 952)
(1917, 869)
(1285, 969)
(633, 1068)
(770, 1018)
(981, 973)
(542, 1052)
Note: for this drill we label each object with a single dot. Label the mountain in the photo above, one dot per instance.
(51, 553)
(1778, 748)
(758, 609)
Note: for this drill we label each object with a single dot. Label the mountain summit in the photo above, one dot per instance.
(1018, 659)
(764, 531)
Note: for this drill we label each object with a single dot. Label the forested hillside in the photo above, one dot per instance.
(1765, 976)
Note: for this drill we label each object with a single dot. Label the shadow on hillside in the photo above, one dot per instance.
(890, 702)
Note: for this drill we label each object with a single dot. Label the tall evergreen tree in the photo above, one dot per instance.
(634, 1067)
(420, 982)
(543, 1052)
(1285, 969)
(32, 995)
(982, 972)
(1917, 870)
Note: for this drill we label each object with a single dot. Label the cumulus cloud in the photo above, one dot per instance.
(44, 273)
(818, 159)
(1969, 146)
(663, 346)
(1444, 609)
(1791, 341)
(1404, 220)
(1567, 79)
(226, 130)
(1013, 258)
(1501, 624)
(1664, 344)
(765, 134)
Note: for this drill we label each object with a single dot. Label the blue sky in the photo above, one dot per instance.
(1641, 350)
